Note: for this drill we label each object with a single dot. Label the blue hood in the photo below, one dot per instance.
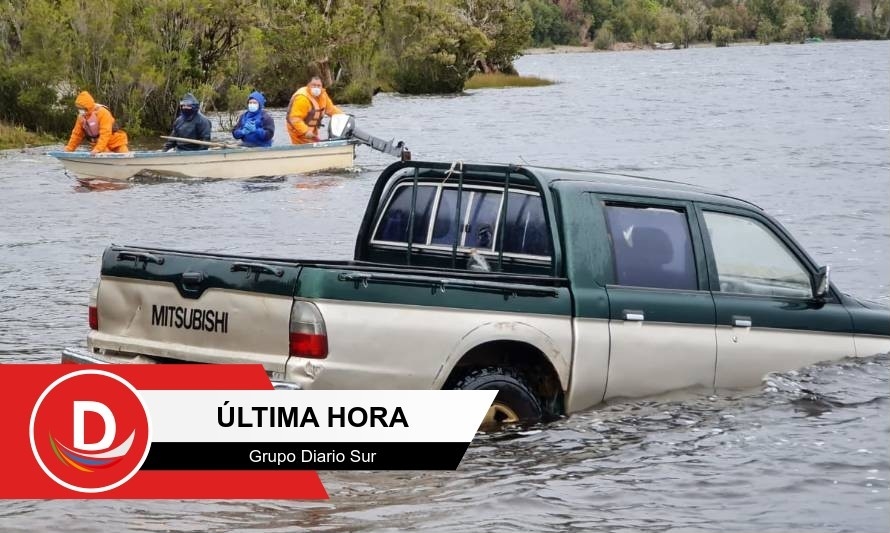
(258, 96)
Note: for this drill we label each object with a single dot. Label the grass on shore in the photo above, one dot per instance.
(499, 80)
(12, 136)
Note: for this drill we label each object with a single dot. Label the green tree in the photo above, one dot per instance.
(883, 20)
(356, 33)
(604, 38)
(506, 24)
(549, 25)
(691, 20)
(737, 17)
(599, 10)
(766, 10)
(430, 47)
(668, 27)
(577, 19)
(33, 79)
(795, 29)
(722, 35)
(843, 19)
(820, 24)
(643, 16)
(766, 32)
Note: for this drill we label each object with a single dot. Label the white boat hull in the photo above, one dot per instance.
(228, 163)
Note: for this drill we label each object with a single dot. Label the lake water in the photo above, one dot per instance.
(801, 130)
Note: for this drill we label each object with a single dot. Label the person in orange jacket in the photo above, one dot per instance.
(306, 109)
(96, 123)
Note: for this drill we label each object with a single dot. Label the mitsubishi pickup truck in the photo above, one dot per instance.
(561, 289)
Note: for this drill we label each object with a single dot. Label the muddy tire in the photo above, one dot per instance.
(516, 402)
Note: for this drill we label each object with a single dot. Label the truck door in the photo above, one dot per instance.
(661, 313)
(768, 318)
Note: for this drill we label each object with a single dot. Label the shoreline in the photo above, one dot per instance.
(633, 47)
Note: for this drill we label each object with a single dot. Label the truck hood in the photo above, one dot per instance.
(870, 303)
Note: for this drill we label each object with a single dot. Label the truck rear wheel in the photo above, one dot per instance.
(516, 402)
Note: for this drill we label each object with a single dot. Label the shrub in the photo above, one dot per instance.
(722, 36)
(499, 80)
(795, 29)
(766, 32)
(355, 92)
(604, 39)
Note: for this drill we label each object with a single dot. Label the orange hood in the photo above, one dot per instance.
(85, 100)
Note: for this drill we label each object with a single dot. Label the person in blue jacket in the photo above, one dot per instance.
(255, 126)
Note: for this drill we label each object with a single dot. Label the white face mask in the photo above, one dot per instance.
(316, 91)
(253, 107)
(81, 112)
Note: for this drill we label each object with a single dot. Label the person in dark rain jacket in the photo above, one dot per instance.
(189, 124)
(255, 127)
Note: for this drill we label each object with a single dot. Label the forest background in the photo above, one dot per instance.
(140, 56)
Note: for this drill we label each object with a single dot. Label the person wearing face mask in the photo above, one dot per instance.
(306, 109)
(255, 127)
(190, 123)
(96, 123)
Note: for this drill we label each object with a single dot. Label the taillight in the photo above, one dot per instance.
(94, 305)
(308, 337)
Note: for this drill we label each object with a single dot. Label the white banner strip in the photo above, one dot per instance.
(317, 415)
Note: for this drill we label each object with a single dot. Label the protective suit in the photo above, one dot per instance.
(98, 126)
(255, 128)
(304, 113)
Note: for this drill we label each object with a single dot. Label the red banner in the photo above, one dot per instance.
(82, 432)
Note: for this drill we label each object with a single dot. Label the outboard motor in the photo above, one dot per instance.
(342, 126)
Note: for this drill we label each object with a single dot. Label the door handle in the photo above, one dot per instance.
(636, 316)
(191, 281)
(257, 268)
(192, 278)
(741, 321)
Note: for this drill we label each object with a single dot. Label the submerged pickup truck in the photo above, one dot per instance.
(559, 288)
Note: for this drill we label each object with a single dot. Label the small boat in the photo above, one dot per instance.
(213, 163)
(225, 161)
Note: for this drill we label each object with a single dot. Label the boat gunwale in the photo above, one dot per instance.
(138, 155)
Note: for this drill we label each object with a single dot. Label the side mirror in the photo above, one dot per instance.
(823, 282)
(341, 125)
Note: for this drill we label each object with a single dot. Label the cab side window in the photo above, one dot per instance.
(526, 226)
(651, 247)
(751, 259)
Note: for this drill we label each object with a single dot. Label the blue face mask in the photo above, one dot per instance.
(253, 107)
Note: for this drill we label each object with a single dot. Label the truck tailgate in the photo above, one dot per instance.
(195, 307)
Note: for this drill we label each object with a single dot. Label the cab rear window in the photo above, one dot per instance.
(394, 226)
(439, 224)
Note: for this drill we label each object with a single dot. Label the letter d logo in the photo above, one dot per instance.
(90, 431)
(80, 408)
